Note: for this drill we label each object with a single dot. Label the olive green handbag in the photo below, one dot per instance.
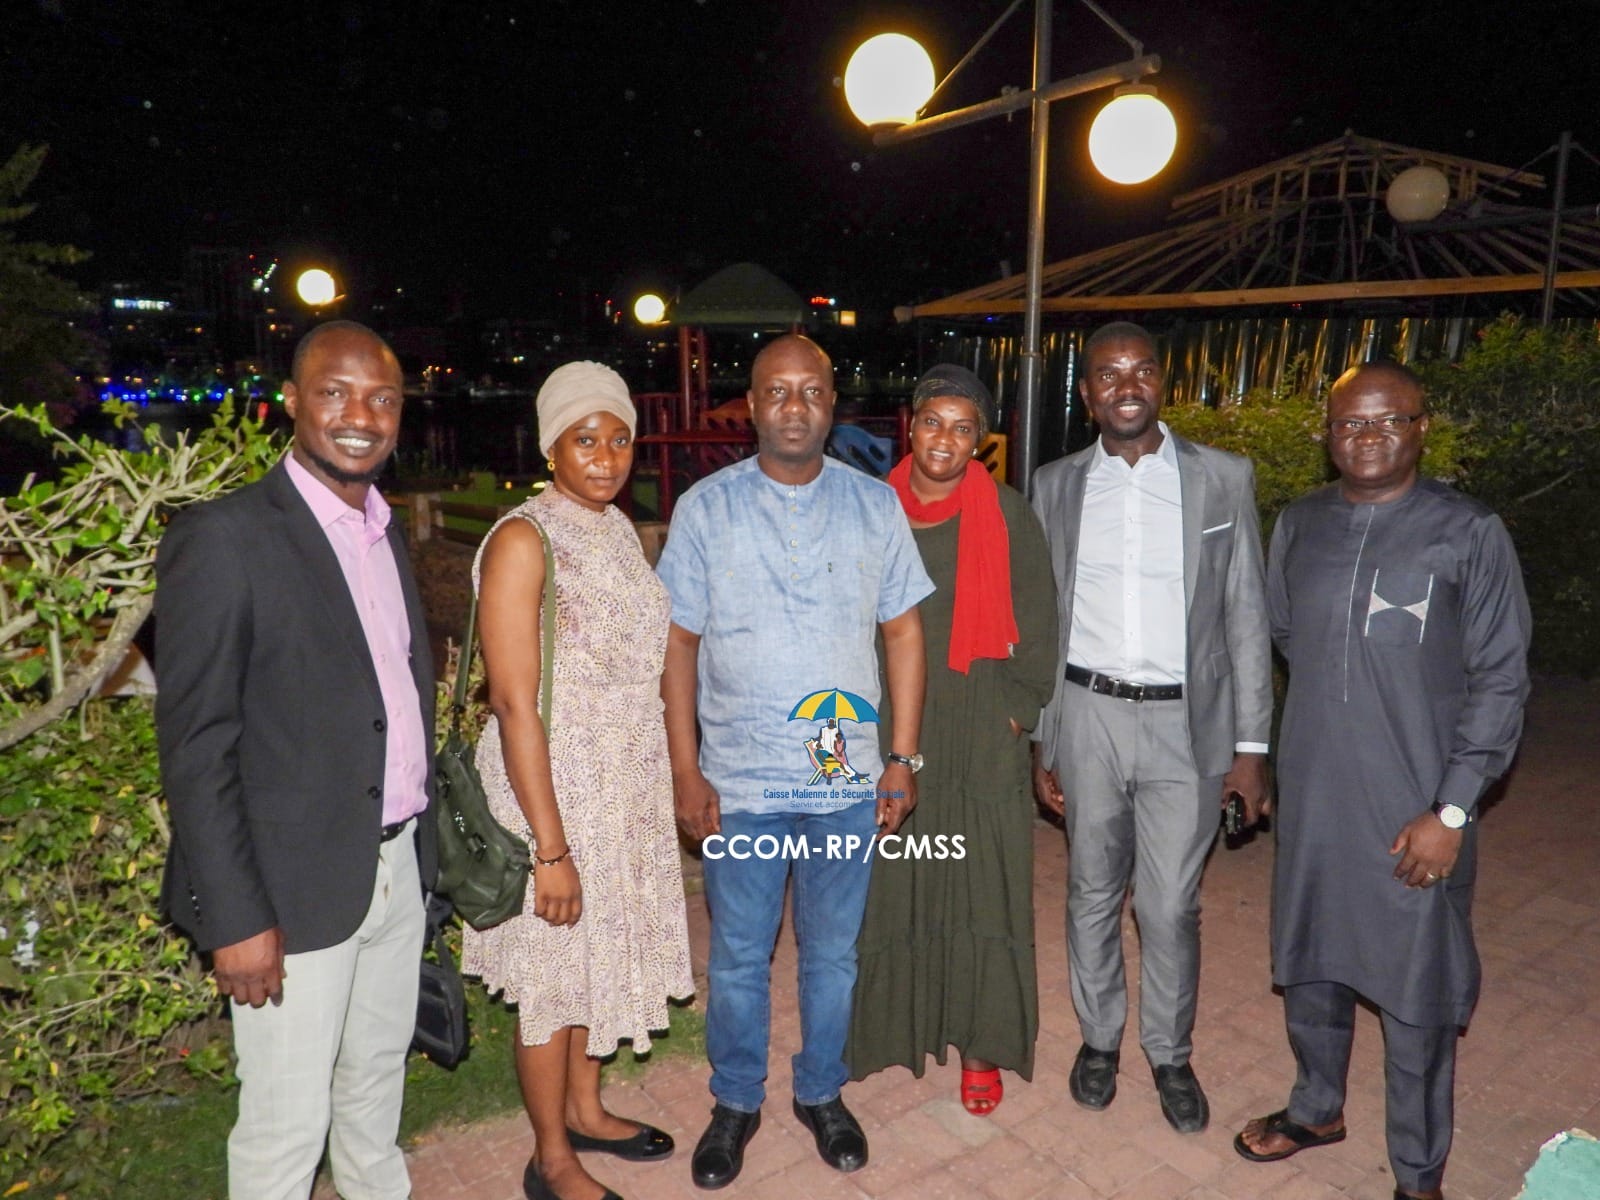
(483, 867)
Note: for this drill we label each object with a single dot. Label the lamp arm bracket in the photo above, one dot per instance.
(1129, 72)
(971, 54)
(1138, 46)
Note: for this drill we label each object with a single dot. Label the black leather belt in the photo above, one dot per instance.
(1123, 689)
(390, 832)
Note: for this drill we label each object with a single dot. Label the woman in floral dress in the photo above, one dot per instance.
(602, 940)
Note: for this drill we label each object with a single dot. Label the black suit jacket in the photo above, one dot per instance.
(271, 723)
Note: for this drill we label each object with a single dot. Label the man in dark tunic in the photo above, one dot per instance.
(1399, 606)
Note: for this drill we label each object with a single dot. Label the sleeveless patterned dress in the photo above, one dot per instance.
(613, 971)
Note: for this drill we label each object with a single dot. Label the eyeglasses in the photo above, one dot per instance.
(1392, 425)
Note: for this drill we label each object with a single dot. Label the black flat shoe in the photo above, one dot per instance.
(648, 1144)
(839, 1138)
(1093, 1081)
(535, 1188)
(719, 1155)
(1183, 1102)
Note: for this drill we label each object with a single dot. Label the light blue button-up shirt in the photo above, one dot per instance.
(786, 586)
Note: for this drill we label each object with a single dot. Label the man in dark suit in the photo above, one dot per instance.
(295, 719)
(1162, 711)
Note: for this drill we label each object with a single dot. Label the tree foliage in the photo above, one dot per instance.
(1282, 431)
(97, 994)
(78, 566)
(38, 345)
(1529, 400)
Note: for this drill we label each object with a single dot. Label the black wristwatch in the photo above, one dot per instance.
(914, 761)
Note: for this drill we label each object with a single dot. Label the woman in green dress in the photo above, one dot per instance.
(946, 946)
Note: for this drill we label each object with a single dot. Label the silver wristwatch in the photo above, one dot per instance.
(913, 761)
(1451, 816)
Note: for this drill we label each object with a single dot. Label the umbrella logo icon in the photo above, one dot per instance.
(830, 761)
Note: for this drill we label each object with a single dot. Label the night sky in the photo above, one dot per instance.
(503, 151)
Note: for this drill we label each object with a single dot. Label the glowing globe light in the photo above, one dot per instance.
(316, 287)
(1417, 194)
(649, 308)
(888, 80)
(1133, 137)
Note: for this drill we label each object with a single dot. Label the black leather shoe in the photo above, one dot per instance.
(719, 1155)
(1183, 1103)
(1093, 1082)
(839, 1138)
(648, 1144)
(535, 1188)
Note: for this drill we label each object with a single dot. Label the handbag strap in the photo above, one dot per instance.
(547, 642)
(437, 911)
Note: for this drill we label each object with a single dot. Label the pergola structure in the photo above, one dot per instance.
(1313, 228)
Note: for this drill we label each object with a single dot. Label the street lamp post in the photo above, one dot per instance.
(890, 129)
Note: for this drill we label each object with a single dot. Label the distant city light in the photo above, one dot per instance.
(142, 305)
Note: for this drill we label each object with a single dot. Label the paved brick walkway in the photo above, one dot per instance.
(1529, 1067)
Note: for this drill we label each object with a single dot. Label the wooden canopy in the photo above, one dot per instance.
(1314, 227)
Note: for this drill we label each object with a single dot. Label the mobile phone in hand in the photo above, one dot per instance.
(1233, 815)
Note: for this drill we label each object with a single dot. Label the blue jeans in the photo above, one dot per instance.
(745, 895)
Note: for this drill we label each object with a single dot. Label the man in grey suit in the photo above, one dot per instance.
(1162, 711)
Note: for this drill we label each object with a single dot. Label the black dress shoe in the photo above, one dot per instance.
(1093, 1082)
(839, 1138)
(1183, 1103)
(648, 1144)
(535, 1188)
(719, 1155)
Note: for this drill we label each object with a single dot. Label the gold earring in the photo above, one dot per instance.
(550, 464)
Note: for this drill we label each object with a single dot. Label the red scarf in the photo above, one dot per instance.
(983, 625)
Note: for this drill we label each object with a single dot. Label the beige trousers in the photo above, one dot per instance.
(327, 1065)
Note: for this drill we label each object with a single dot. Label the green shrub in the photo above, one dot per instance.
(1530, 401)
(1282, 432)
(98, 997)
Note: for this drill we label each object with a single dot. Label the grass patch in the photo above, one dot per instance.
(177, 1145)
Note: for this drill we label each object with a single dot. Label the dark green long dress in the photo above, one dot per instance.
(946, 946)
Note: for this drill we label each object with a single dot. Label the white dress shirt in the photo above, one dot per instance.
(1127, 597)
(1128, 607)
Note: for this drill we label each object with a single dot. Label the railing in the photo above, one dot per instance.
(428, 514)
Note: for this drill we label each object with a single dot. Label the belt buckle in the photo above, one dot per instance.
(1130, 691)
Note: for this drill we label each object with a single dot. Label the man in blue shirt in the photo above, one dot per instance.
(782, 570)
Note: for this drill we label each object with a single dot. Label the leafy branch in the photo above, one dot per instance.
(77, 555)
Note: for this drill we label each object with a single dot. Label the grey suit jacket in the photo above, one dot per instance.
(1228, 674)
(271, 723)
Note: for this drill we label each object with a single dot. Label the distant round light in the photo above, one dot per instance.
(1133, 137)
(316, 287)
(888, 79)
(648, 309)
(1418, 194)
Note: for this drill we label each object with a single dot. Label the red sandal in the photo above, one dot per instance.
(981, 1091)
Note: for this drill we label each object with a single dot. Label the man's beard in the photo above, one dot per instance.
(340, 475)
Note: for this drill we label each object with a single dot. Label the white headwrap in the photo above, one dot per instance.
(575, 390)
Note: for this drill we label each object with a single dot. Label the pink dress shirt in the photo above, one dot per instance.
(361, 544)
